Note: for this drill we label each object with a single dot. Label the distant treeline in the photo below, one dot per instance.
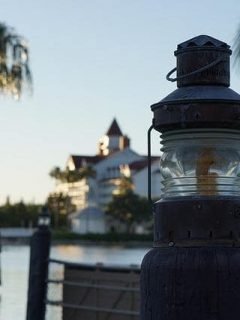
(19, 214)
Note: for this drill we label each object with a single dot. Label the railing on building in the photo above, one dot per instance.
(92, 292)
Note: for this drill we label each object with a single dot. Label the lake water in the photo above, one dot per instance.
(15, 263)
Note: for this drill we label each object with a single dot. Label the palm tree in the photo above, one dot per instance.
(71, 176)
(55, 173)
(126, 186)
(14, 63)
(236, 47)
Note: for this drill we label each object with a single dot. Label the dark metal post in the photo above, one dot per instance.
(193, 271)
(0, 259)
(38, 270)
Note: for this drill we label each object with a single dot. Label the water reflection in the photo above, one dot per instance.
(99, 254)
(15, 263)
(15, 260)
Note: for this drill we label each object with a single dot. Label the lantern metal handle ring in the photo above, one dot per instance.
(215, 62)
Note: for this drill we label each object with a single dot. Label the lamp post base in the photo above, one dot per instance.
(198, 283)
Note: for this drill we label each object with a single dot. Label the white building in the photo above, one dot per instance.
(114, 159)
(88, 220)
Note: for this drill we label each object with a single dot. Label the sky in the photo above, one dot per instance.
(93, 60)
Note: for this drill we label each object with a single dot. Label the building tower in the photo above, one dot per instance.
(113, 140)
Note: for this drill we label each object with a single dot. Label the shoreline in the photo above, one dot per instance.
(56, 242)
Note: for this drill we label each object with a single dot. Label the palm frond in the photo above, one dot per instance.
(236, 48)
(71, 176)
(15, 74)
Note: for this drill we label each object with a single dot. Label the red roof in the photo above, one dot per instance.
(114, 129)
(81, 160)
(140, 164)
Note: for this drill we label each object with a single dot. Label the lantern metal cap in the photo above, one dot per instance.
(193, 94)
(203, 41)
(203, 98)
(202, 60)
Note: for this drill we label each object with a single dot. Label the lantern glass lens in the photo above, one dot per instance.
(200, 162)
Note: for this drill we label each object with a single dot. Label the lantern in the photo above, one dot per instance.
(193, 270)
(44, 219)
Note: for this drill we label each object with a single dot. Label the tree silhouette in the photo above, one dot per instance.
(127, 207)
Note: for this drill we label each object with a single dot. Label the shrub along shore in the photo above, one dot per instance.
(61, 236)
(111, 237)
